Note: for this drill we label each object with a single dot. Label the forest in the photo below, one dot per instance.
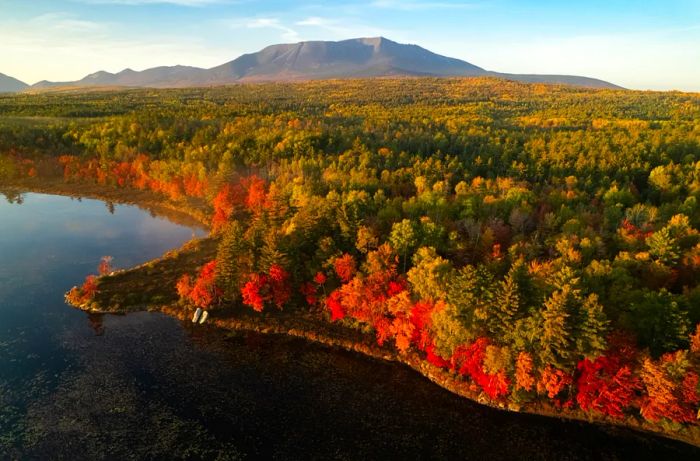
(541, 243)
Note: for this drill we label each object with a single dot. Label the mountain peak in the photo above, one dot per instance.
(10, 84)
(374, 41)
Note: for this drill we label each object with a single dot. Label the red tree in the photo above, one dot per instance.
(468, 360)
(606, 386)
(256, 194)
(203, 292)
(105, 266)
(229, 197)
(345, 266)
(553, 381)
(671, 389)
(335, 306)
(272, 287)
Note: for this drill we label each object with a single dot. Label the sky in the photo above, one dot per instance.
(638, 44)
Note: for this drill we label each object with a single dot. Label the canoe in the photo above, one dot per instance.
(205, 316)
(197, 315)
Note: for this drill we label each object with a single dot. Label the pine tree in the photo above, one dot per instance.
(592, 328)
(233, 260)
(503, 311)
(555, 340)
(272, 253)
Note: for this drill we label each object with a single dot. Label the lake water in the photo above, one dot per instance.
(145, 386)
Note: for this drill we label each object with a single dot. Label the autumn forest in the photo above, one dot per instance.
(539, 244)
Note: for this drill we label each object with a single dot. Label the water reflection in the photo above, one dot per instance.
(13, 197)
(96, 322)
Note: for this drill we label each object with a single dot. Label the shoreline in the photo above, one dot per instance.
(306, 326)
(321, 332)
(190, 213)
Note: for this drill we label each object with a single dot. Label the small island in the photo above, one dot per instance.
(534, 248)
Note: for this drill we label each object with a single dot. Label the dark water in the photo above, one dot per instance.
(145, 386)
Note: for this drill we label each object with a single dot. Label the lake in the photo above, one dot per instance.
(145, 386)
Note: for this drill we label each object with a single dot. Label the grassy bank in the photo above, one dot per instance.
(149, 284)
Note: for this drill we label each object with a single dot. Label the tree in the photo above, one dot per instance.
(506, 306)
(345, 267)
(184, 286)
(695, 340)
(659, 321)
(671, 389)
(85, 293)
(256, 194)
(664, 247)
(366, 240)
(524, 377)
(556, 340)
(205, 293)
(105, 266)
(229, 197)
(265, 288)
(468, 360)
(592, 328)
(606, 386)
(553, 381)
(403, 237)
(429, 275)
(233, 260)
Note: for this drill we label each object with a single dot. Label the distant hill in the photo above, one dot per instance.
(11, 85)
(354, 58)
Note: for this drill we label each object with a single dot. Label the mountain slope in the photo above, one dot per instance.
(363, 57)
(174, 76)
(572, 80)
(360, 57)
(10, 84)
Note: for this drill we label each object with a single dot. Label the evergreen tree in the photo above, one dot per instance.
(593, 327)
(272, 252)
(233, 260)
(555, 339)
(503, 311)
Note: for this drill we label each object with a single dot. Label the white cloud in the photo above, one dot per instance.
(287, 33)
(312, 21)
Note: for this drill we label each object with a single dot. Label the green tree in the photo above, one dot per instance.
(592, 328)
(556, 339)
(664, 247)
(429, 275)
(232, 260)
(503, 311)
(659, 320)
(403, 238)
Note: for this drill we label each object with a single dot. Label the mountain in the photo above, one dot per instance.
(175, 76)
(11, 85)
(362, 57)
(354, 58)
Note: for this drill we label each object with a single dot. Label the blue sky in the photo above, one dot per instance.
(640, 44)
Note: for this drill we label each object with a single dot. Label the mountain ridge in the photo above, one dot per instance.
(11, 85)
(316, 60)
